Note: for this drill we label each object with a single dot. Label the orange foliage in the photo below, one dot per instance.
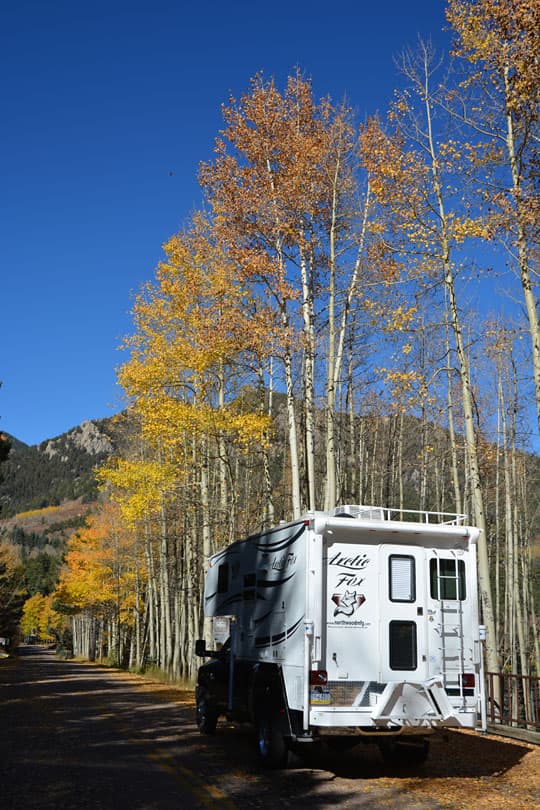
(101, 563)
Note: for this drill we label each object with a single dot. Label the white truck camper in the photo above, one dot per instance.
(355, 625)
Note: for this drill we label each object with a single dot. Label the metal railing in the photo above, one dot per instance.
(513, 700)
(406, 515)
(423, 516)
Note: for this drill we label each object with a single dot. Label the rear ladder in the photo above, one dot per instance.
(452, 649)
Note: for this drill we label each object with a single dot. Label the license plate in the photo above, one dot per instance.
(319, 696)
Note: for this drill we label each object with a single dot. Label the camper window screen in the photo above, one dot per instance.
(402, 578)
(403, 645)
(444, 584)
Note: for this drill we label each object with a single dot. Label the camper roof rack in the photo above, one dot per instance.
(406, 515)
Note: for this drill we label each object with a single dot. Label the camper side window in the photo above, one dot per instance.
(401, 573)
(223, 578)
(445, 581)
(249, 592)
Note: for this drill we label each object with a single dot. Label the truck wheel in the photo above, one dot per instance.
(403, 753)
(206, 716)
(273, 747)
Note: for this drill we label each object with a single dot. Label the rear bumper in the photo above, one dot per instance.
(401, 705)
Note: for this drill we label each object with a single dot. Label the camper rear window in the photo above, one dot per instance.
(401, 575)
(402, 645)
(444, 582)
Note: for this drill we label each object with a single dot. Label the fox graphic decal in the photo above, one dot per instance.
(347, 602)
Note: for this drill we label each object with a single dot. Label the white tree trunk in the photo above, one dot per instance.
(467, 395)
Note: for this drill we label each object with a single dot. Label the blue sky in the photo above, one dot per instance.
(100, 103)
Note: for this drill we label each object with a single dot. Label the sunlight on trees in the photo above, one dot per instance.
(310, 340)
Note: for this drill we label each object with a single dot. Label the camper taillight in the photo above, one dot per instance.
(467, 680)
(318, 677)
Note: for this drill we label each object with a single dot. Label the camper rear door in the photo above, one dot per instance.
(376, 613)
(403, 625)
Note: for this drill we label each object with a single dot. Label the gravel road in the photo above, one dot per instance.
(78, 736)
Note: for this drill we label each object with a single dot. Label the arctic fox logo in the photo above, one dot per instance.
(347, 602)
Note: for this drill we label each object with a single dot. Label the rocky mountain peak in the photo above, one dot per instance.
(89, 437)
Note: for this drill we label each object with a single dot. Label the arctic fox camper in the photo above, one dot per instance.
(356, 625)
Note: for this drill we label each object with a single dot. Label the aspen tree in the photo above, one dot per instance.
(196, 335)
(250, 184)
(500, 41)
(451, 415)
(342, 165)
(40, 618)
(435, 226)
(98, 584)
(517, 622)
(285, 195)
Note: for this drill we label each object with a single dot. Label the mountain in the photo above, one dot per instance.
(47, 492)
(57, 470)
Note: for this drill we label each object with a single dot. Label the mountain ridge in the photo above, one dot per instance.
(55, 470)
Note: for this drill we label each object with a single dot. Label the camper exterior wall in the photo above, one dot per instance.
(261, 582)
(383, 626)
(366, 622)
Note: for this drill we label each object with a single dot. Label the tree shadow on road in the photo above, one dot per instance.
(121, 729)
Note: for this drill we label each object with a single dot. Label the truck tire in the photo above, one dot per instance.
(404, 753)
(206, 716)
(272, 745)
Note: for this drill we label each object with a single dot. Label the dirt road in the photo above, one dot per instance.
(78, 736)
